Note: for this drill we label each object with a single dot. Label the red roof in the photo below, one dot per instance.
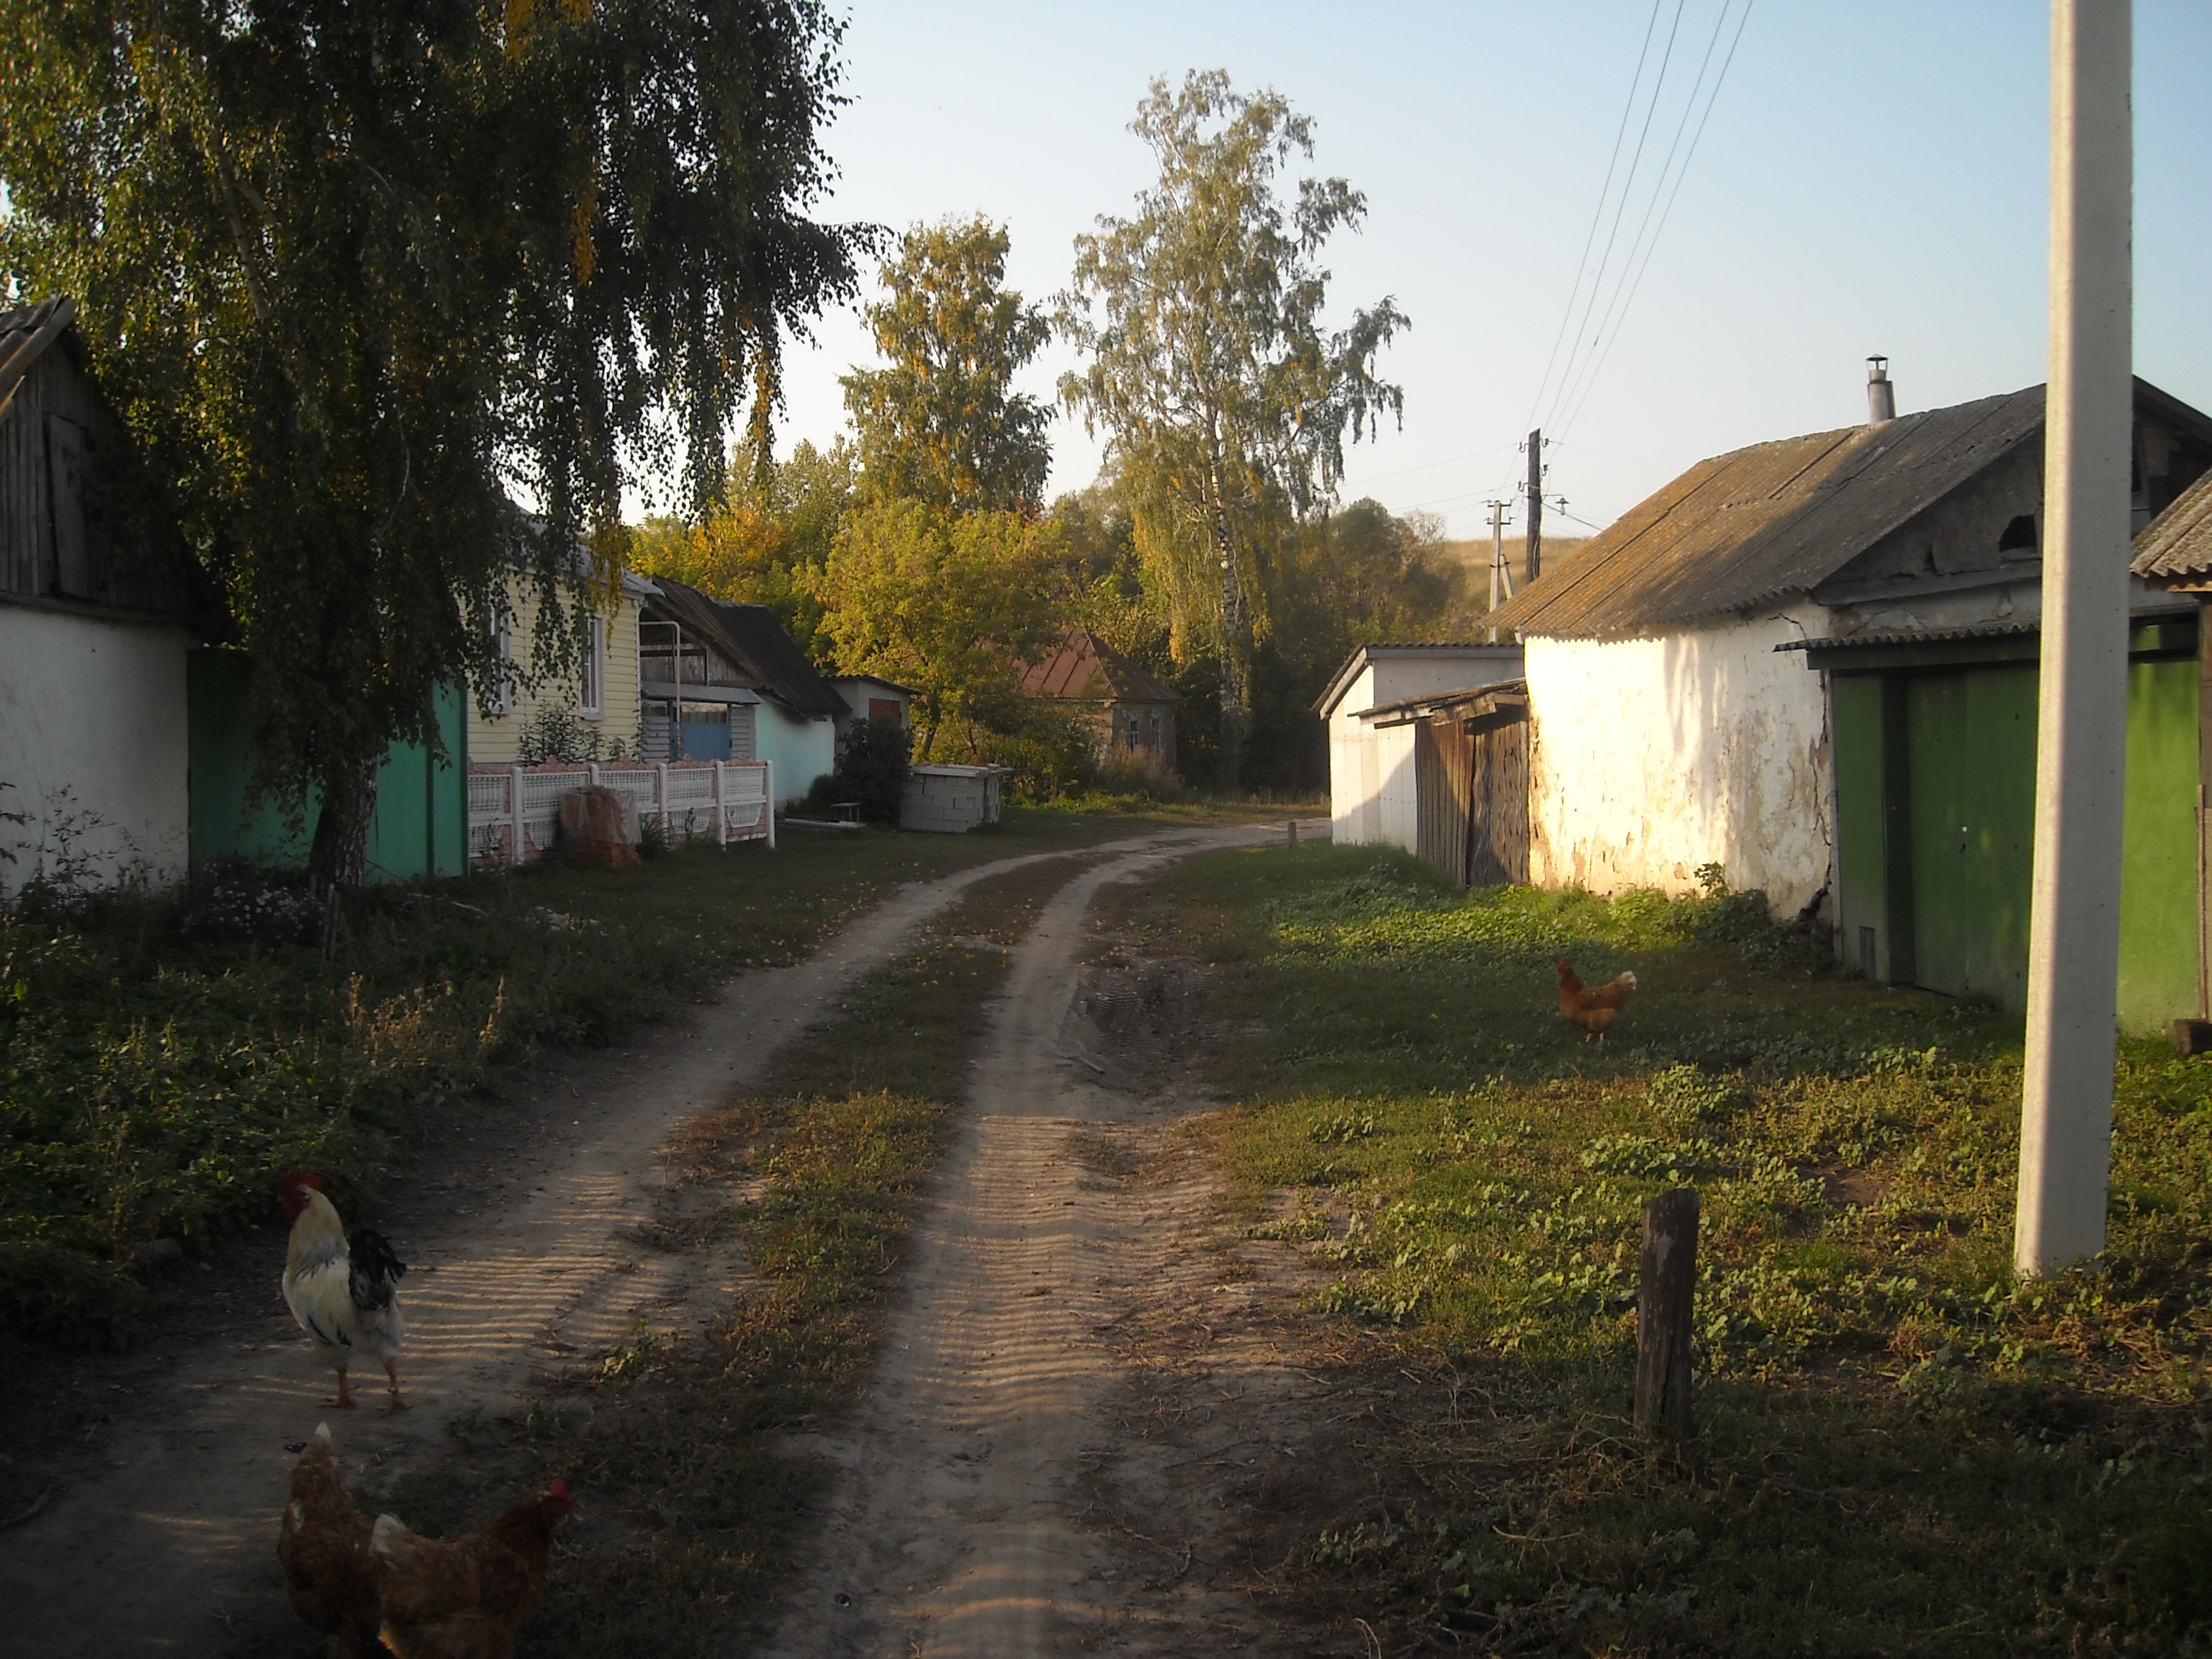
(1085, 666)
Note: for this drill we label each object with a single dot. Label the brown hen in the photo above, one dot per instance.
(465, 1598)
(1593, 1007)
(324, 1548)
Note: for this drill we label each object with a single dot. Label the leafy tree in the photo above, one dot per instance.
(357, 275)
(941, 423)
(766, 544)
(1224, 401)
(943, 603)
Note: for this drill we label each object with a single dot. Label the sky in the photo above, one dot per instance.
(1872, 177)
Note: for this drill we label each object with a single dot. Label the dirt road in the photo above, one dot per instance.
(166, 1544)
(997, 1482)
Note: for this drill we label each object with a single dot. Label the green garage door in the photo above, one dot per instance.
(1971, 746)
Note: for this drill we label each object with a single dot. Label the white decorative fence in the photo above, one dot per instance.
(514, 811)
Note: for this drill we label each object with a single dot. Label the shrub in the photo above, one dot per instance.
(873, 762)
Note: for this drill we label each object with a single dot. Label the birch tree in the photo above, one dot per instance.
(1224, 400)
(358, 276)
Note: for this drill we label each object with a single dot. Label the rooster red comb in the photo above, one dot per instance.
(297, 1178)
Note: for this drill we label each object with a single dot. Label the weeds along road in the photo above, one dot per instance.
(167, 1546)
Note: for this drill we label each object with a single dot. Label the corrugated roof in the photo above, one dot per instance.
(1361, 655)
(1760, 524)
(1913, 636)
(2178, 544)
(754, 640)
(1085, 666)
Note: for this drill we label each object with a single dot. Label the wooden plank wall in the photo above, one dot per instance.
(1471, 788)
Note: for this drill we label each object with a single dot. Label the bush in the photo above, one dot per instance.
(1133, 773)
(1047, 752)
(873, 762)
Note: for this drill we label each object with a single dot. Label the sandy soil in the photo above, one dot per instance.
(160, 1540)
(1087, 1431)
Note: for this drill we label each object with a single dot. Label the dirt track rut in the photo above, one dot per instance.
(167, 1545)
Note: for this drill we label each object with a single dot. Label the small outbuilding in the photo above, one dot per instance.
(1374, 708)
(1129, 712)
(870, 698)
(950, 799)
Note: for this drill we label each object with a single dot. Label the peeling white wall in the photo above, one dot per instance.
(1371, 768)
(1651, 756)
(94, 745)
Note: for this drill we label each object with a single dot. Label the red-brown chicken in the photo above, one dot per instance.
(324, 1547)
(465, 1598)
(1593, 1007)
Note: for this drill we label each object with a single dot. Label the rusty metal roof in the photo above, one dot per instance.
(1085, 666)
(1763, 523)
(2177, 545)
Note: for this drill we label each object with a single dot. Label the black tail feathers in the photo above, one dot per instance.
(375, 1268)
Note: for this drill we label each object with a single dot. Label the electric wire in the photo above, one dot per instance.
(1568, 400)
(1620, 208)
(1597, 213)
(1598, 369)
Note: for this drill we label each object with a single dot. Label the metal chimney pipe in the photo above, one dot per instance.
(1881, 395)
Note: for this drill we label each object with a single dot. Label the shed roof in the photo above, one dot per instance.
(1341, 682)
(1084, 665)
(2177, 545)
(1774, 519)
(26, 335)
(751, 637)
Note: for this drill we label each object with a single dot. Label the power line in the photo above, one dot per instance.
(1595, 366)
(1620, 208)
(1425, 466)
(1597, 212)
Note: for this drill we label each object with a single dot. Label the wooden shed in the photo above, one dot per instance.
(1471, 783)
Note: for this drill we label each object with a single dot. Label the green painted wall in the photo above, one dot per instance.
(2158, 897)
(1963, 761)
(1970, 748)
(420, 827)
(1862, 894)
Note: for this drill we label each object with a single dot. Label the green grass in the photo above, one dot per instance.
(153, 1082)
(1902, 1448)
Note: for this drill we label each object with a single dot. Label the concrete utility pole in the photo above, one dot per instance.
(1499, 571)
(1534, 565)
(2074, 931)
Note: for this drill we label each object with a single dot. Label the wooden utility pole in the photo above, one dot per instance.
(1666, 1298)
(2074, 928)
(1534, 564)
(1499, 572)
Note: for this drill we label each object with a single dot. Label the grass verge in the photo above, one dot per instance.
(1902, 1448)
(674, 1444)
(163, 1059)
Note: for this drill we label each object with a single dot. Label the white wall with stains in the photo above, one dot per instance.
(1652, 756)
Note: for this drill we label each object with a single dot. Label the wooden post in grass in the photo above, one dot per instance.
(1293, 827)
(1665, 1296)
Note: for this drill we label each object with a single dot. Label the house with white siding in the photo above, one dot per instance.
(596, 705)
(1373, 797)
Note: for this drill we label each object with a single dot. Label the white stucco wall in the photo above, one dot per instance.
(1652, 756)
(1370, 769)
(800, 748)
(92, 727)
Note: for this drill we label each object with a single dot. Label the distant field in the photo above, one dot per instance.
(1474, 554)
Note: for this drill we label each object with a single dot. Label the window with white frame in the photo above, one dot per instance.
(500, 699)
(592, 688)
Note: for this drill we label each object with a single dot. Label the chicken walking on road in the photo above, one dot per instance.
(342, 1290)
(465, 1598)
(329, 1573)
(1593, 1007)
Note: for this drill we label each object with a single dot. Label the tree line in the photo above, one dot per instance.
(1212, 549)
(360, 279)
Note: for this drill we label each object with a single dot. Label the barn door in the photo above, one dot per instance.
(1442, 778)
(1497, 826)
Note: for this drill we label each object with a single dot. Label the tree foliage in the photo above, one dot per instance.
(941, 423)
(1224, 400)
(767, 543)
(944, 603)
(356, 274)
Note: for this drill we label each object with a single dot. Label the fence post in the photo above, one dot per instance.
(768, 803)
(514, 810)
(1665, 1296)
(721, 812)
(660, 798)
(592, 773)
(1292, 827)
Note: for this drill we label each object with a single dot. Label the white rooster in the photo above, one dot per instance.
(342, 1290)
